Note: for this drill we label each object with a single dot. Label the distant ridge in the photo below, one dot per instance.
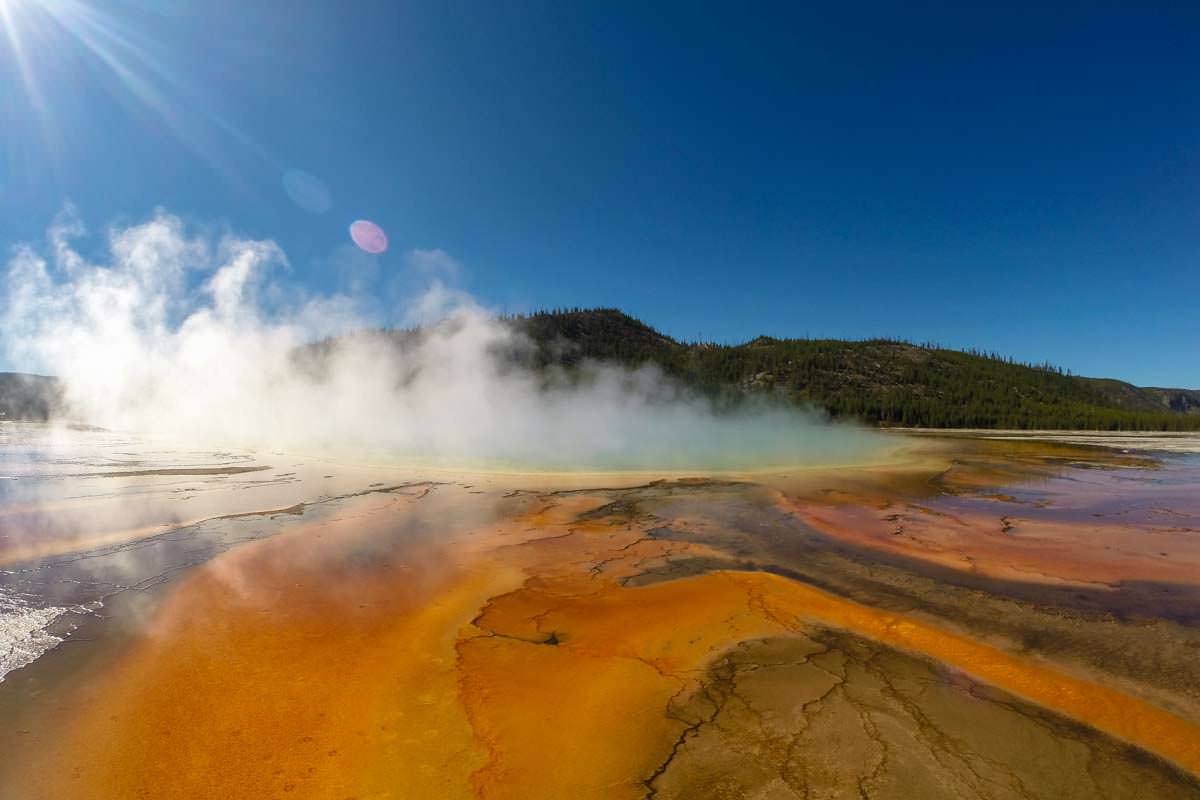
(28, 397)
(879, 381)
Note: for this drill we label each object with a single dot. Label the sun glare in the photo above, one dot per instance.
(63, 51)
(12, 19)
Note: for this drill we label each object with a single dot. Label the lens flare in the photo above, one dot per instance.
(368, 236)
(307, 191)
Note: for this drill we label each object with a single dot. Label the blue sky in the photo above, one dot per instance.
(1025, 180)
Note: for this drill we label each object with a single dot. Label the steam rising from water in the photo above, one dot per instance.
(190, 337)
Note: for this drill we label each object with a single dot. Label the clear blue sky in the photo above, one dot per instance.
(1024, 180)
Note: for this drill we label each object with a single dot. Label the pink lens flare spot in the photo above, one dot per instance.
(368, 236)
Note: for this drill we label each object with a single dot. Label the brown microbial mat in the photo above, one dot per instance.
(979, 618)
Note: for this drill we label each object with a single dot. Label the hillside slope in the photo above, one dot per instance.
(27, 397)
(878, 381)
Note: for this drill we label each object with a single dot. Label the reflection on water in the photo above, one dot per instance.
(87, 515)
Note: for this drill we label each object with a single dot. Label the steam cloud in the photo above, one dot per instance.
(189, 336)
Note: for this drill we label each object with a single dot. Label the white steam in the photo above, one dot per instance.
(186, 336)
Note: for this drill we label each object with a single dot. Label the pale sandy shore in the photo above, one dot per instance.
(1144, 441)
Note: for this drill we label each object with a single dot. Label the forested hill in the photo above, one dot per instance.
(27, 397)
(879, 381)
